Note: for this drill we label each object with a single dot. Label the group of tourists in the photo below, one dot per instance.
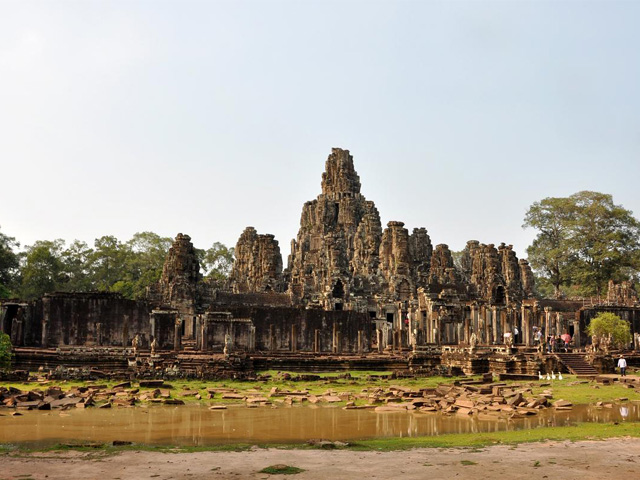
(553, 343)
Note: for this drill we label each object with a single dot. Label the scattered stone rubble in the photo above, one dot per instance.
(481, 398)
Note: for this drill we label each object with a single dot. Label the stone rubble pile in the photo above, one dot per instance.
(100, 396)
(461, 398)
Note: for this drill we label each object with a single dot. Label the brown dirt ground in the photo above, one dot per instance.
(609, 459)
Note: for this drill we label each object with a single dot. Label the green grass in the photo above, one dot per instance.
(281, 470)
(331, 381)
(582, 431)
(586, 393)
(359, 381)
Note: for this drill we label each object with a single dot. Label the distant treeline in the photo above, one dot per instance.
(583, 241)
(110, 265)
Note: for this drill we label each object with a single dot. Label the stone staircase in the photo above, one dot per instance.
(576, 364)
(189, 345)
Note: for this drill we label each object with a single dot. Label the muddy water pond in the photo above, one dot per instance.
(199, 426)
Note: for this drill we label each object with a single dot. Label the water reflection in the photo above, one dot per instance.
(196, 425)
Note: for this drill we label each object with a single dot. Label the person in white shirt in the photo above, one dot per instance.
(622, 365)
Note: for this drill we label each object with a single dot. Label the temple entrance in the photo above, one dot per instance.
(7, 321)
(338, 290)
(499, 297)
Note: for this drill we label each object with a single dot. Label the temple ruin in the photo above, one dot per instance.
(350, 288)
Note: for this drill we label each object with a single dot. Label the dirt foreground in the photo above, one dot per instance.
(614, 458)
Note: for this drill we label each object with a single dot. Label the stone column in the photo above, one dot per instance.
(474, 320)
(359, 341)
(467, 326)
(204, 335)
(46, 308)
(316, 341)
(197, 331)
(547, 322)
(272, 339)
(526, 334)
(177, 337)
(294, 338)
(494, 326)
(379, 339)
(334, 339)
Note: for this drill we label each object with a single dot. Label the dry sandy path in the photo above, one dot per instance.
(610, 459)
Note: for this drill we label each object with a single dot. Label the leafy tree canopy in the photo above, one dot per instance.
(110, 265)
(43, 270)
(5, 351)
(583, 241)
(9, 263)
(217, 262)
(605, 324)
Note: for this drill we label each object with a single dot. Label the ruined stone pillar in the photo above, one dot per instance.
(334, 339)
(467, 333)
(177, 337)
(46, 308)
(379, 339)
(197, 331)
(316, 341)
(294, 338)
(204, 335)
(272, 339)
(338, 342)
(526, 334)
(359, 341)
(486, 325)
(473, 320)
(494, 326)
(547, 321)
(251, 347)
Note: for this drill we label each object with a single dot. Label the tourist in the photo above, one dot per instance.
(622, 365)
(515, 335)
(537, 337)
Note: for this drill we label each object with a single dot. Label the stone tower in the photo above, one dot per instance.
(178, 285)
(258, 264)
(335, 254)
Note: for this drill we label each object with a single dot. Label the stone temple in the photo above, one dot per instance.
(353, 295)
(342, 259)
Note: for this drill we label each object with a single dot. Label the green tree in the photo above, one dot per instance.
(605, 324)
(217, 262)
(107, 262)
(606, 241)
(43, 269)
(5, 351)
(9, 264)
(144, 264)
(584, 241)
(76, 266)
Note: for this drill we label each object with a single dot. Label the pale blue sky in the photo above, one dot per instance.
(206, 117)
